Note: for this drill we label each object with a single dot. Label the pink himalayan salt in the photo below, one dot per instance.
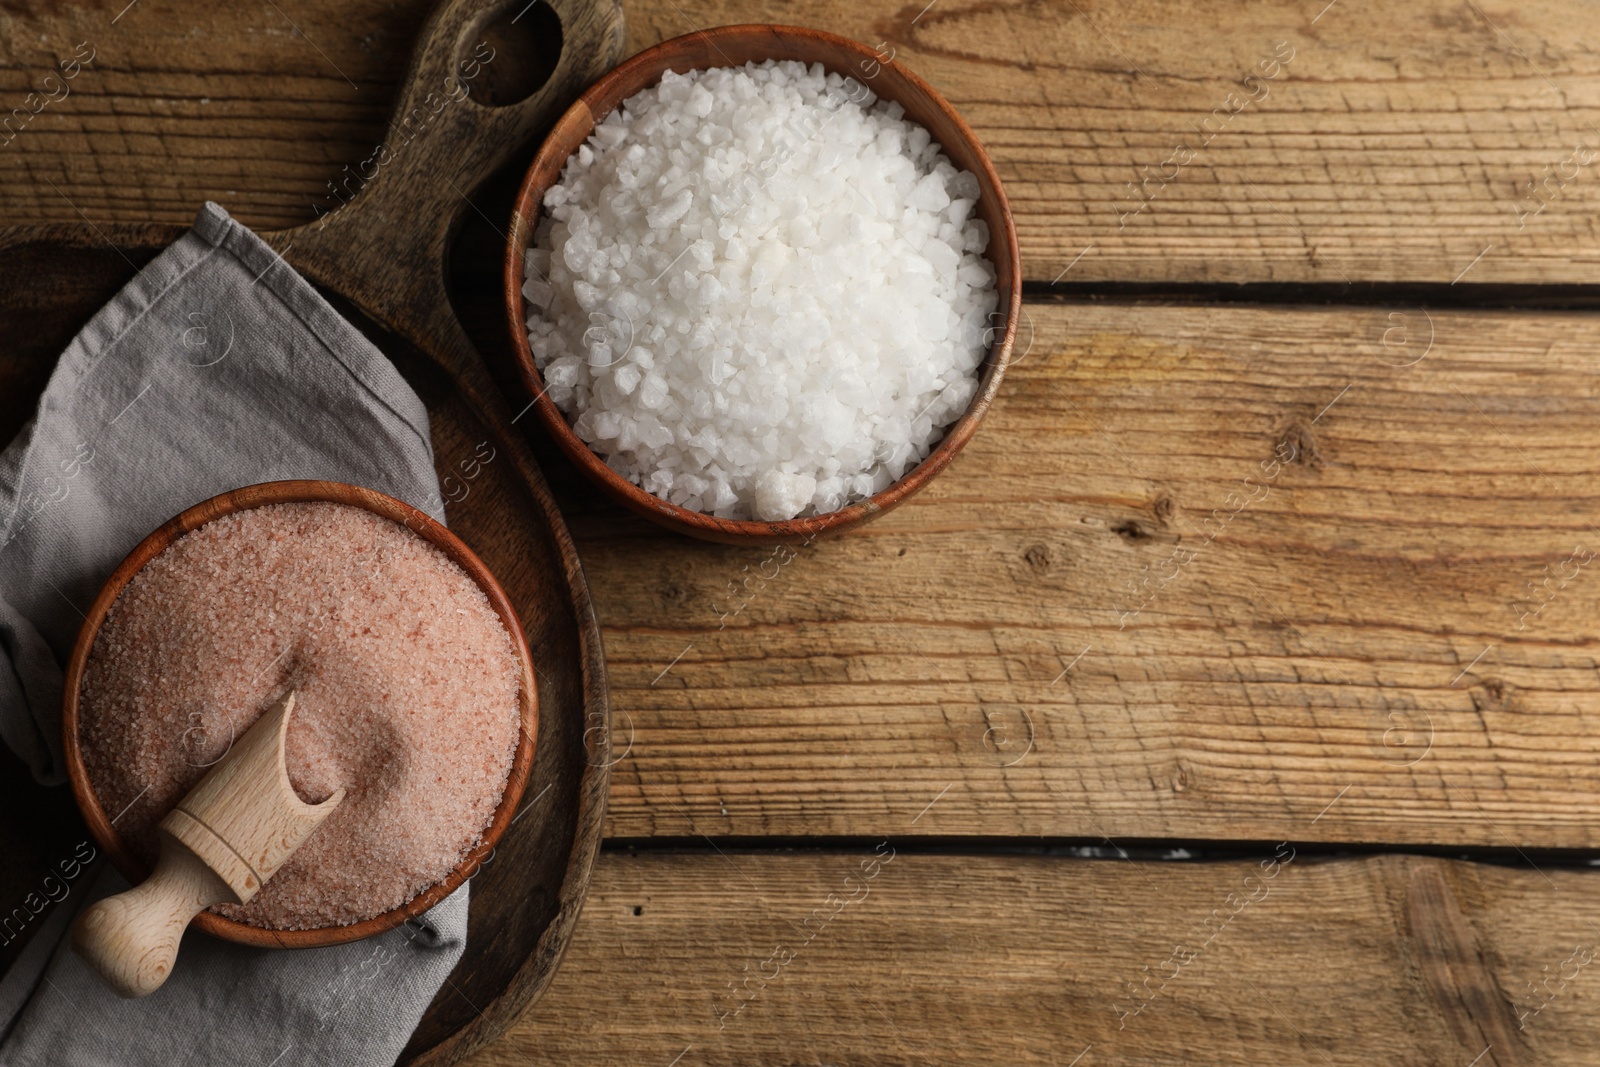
(406, 694)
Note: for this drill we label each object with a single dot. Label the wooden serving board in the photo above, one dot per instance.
(480, 86)
(526, 900)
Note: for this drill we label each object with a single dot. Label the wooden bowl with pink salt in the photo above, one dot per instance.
(414, 691)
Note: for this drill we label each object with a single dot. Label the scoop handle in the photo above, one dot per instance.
(132, 938)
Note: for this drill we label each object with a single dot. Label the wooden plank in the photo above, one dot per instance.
(257, 108)
(1286, 141)
(982, 960)
(1397, 145)
(1220, 573)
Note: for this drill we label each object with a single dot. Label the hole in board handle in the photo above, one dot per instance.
(514, 54)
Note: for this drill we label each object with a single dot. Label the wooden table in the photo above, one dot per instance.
(1230, 700)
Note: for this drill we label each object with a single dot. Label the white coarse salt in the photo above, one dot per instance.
(760, 292)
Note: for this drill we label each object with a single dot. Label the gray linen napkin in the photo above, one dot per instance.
(217, 366)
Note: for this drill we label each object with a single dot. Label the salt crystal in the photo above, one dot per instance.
(626, 378)
(781, 495)
(929, 195)
(537, 291)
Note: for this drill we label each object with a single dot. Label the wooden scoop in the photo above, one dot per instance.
(219, 845)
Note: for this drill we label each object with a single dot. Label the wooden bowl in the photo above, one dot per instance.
(254, 496)
(734, 46)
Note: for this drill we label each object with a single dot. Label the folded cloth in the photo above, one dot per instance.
(217, 366)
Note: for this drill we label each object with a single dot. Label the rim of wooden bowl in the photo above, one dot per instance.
(299, 492)
(731, 46)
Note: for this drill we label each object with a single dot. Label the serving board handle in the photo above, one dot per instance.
(386, 248)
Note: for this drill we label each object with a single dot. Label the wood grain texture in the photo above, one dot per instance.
(131, 939)
(1205, 573)
(980, 960)
(1395, 144)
